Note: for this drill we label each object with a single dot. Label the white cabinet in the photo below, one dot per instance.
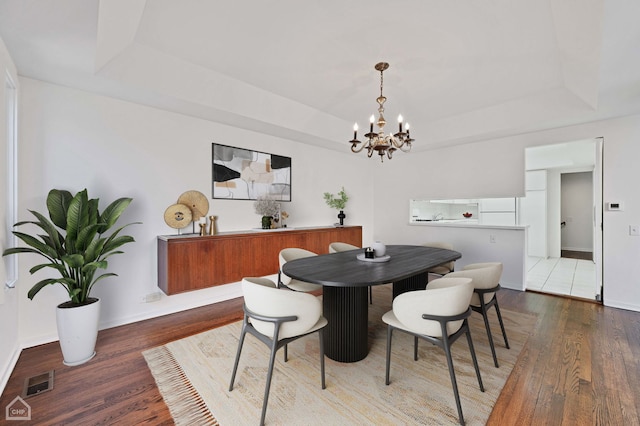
(533, 212)
(497, 205)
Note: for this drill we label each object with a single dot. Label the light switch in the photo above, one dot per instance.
(634, 230)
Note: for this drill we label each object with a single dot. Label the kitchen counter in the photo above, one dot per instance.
(462, 223)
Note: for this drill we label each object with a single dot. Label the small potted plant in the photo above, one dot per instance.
(337, 202)
(267, 208)
(75, 245)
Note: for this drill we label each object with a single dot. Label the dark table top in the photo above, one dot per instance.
(345, 270)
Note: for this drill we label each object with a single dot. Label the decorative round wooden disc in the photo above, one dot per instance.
(178, 216)
(197, 202)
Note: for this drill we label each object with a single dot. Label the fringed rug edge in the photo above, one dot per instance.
(182, 399)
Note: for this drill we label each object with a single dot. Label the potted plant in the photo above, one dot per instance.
(75, 245)
(338, 202)
(267, 208)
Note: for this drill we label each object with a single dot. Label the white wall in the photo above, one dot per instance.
(9, 348)
(495, 168)
(72, 139)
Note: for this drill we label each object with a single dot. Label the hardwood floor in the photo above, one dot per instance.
(580, 366)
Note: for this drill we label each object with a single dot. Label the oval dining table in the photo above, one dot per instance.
(345, 280)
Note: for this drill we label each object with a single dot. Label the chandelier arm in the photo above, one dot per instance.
(406, 147)
(353, 146)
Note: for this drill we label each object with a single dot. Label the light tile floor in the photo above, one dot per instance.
(562, 275)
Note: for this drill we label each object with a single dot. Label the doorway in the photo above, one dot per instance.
(567, 218)
(576, 201)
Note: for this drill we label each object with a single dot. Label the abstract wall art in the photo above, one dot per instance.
(243, 174)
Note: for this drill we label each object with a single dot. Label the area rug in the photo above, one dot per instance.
(193, 377)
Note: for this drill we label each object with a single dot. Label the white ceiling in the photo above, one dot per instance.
(461, 71)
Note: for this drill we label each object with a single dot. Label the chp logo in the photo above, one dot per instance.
(18, 410)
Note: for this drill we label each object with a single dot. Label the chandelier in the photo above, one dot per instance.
(378, 141)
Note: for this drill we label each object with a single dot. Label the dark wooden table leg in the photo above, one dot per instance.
(417, 282)
(345, 336)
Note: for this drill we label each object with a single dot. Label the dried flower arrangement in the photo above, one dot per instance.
(265, 206)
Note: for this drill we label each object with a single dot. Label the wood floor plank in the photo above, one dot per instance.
(581, 365)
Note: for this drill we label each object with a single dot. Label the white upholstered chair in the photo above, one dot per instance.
(486, 282)
(438, 315)
(287, 255)
(441, 270)
(277, 317)
(338, 247)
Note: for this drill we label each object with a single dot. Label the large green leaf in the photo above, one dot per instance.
(40, 285)
(40, 247)
(57, 204)
(113, 211)
(59, 267)
(54, 235)
(86, 236)
(74, 260)
(77, 217)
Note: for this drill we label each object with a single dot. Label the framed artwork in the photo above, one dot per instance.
(243, 174)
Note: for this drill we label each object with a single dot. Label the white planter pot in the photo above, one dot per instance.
(78, 332)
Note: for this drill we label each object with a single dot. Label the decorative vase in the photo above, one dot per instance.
(379, 249)
(341, 216)
(78, 331)
(266, 222)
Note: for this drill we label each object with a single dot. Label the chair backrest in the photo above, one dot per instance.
(443, 297)
(289, 254)
(484, 275)
(338, 247)
(443, 245)
(262, 296)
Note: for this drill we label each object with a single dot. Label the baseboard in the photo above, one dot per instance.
(8, 368)
(608, 302)
(588, 250)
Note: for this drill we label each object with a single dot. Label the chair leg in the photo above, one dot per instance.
(488, 327)
(286, 353)
(370, 296)
(321, 334)
(388, 363)
(235, 365)
(473, 357)
(454, 383)
(415, 348)
(504, 333)
(272, 358)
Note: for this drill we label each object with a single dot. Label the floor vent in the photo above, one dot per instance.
(38, 384)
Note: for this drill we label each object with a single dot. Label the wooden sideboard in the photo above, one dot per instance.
(191, 262)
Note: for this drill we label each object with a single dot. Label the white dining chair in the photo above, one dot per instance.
(287, 255)
(337, 246)
(277, 317)
(486, 283)
(441, 270)
(438, 315)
